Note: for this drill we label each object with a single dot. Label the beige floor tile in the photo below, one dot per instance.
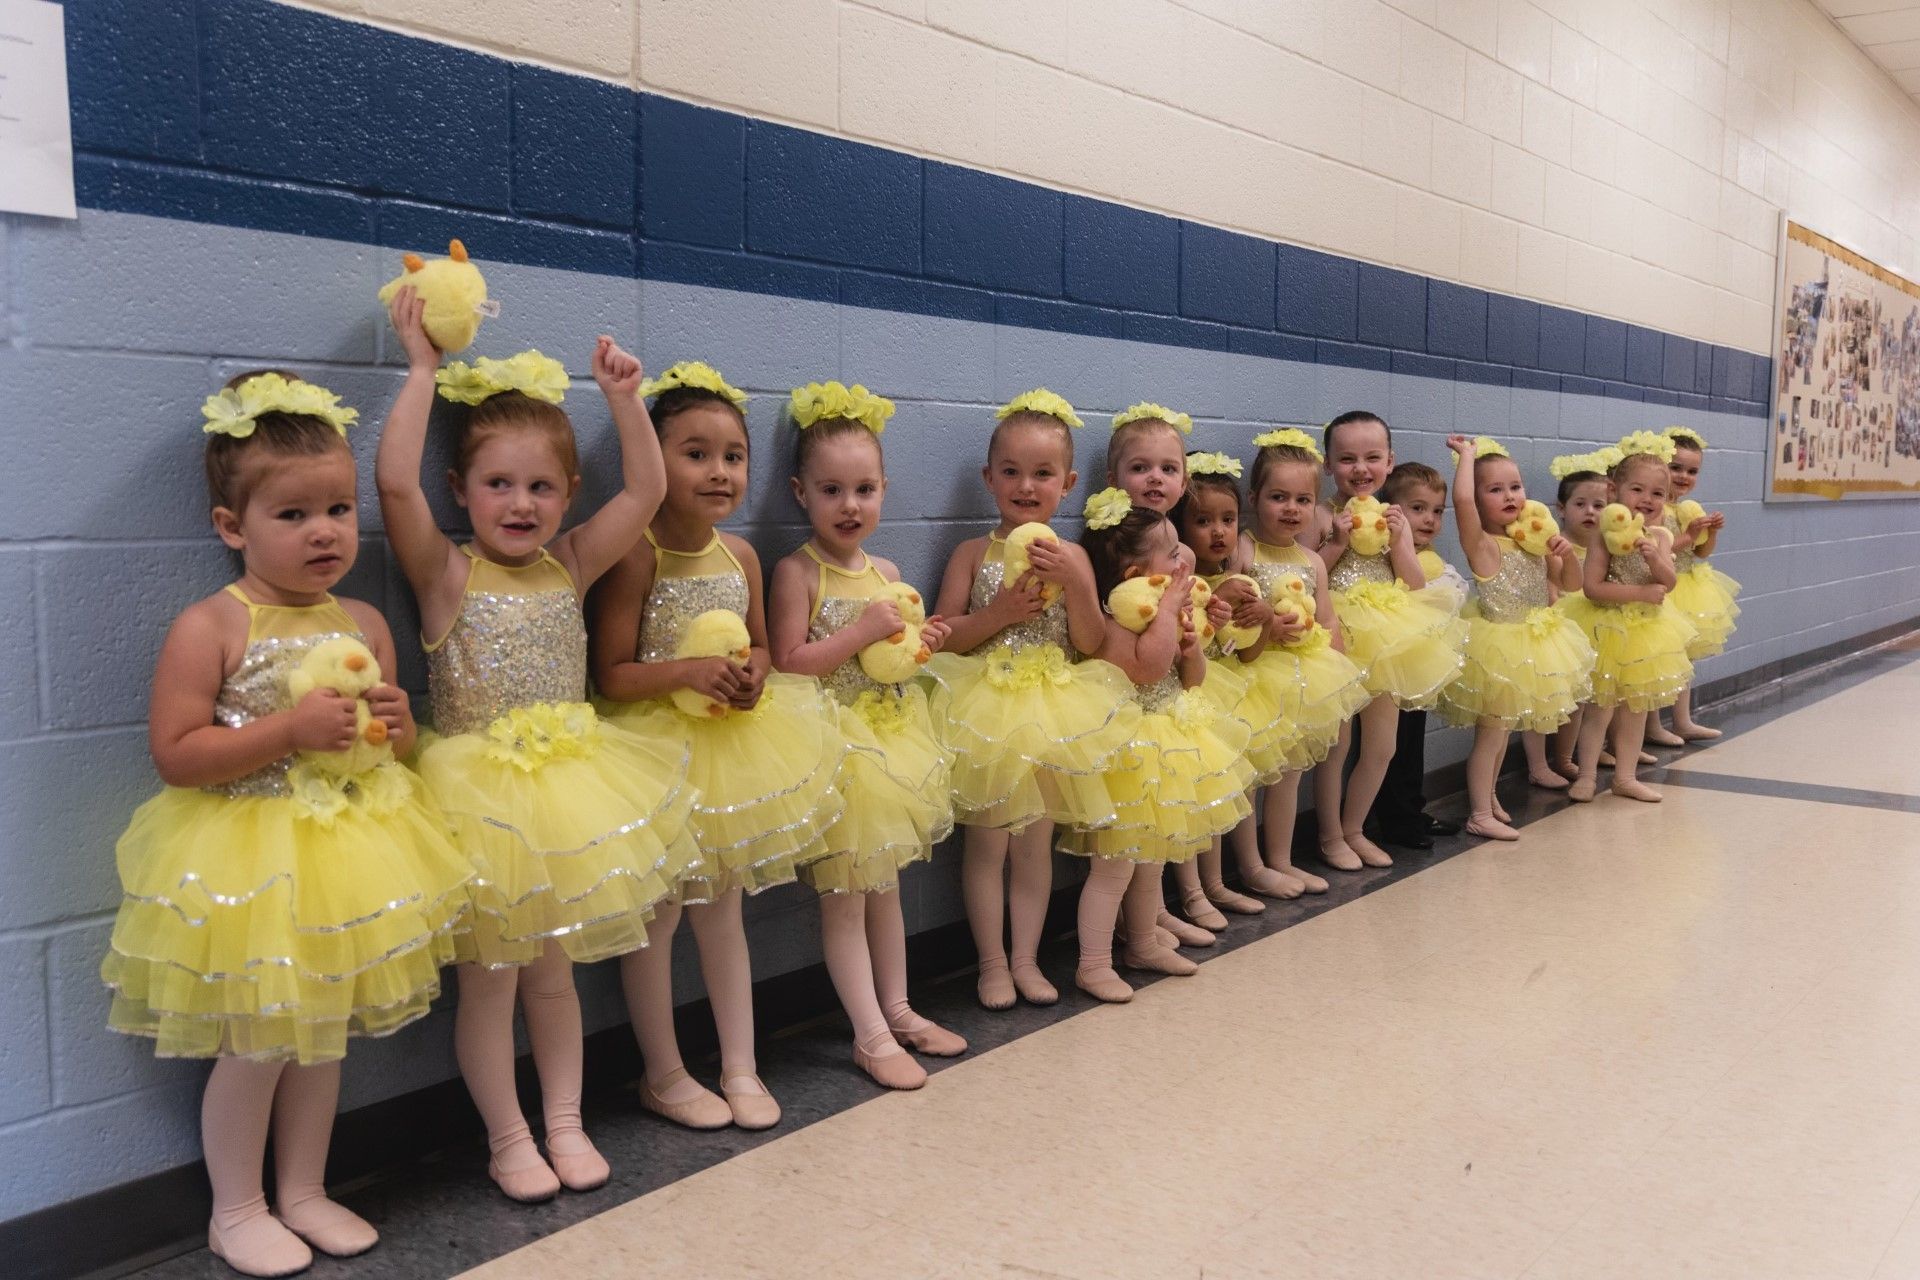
(1867, 736)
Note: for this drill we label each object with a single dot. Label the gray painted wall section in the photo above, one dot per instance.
(117, 325)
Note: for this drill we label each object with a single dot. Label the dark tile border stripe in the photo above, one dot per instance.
(251, 114)
(452, 1218)
(1787, 789)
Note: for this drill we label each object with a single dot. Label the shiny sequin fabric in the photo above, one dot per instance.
(1271, 564)
(847, 681)
(1683, 557)
(518, 641)
(1516, 588)
(1161, 694)
(1630, 569)
(259, 687)
(1049, 628)
(1352, 569)
(685, 585)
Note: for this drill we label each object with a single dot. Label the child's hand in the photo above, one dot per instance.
(1189, 638)
(1254, 612)
(1017, 601)
(717, 678)
(616, 370)
(1462, 446)
(324, 720)
(880, 620)
(1050, 562)
(1716, 520)
(1558, 547)
(1339, 529)
(391, 707)
(1399, 532)
(1219, 612)
(405, 312)
(934, 634)
(1656, 594)
(1290, 626)
(1697, 527)
(752, 680)
(1235, 591)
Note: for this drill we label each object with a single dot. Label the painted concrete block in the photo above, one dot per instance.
(693, 166)
(66, 802)
(829, 200)
(1226, 276)
(986, 230)
(573, 147)
(135, 76)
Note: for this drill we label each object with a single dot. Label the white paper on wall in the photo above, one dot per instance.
(36, 132)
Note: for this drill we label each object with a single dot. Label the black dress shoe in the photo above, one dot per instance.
(1406, 838)
(1440, 826)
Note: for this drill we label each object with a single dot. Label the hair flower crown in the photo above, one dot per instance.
(1147, 411)
(1107, 508)
(1647, 442)
(1686, 436)
(695, 374)
(235, 411)
(1213, 464)
(1288, 438)
(1488, 447)
(1040, 400)
(536, 376)
(1599, 462)
(818, 401)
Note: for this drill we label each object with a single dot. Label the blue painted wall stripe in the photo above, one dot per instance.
(324, 127)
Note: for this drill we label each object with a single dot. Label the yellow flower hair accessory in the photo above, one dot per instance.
(236, 410)
(1213, 464)
(695, 374)
(1488, 447)
(1648, 442)
(1108, 508)
(1573, 464)
(1146, 411)
(818, 401)
(1686, 436)
(537, 376)
(1288, 438)
(1040, 400)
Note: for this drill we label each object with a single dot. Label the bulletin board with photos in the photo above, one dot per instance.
(1846, 375)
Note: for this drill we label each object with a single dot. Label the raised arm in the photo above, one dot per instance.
(1482, 556)
(598, 543)
(427, 556)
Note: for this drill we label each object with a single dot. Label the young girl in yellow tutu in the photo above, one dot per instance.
(1146, 460)
(1639, 638)
(1032, 731)
(763, 747)
(1401, 633)
(1184, 777)
(1300, 652)
(1527, 663)
(290, 887)
(1703, 595)
(1581, 497)
(832, 603)
(576, 828)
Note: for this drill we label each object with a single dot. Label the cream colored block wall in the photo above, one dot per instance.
(1625, 158)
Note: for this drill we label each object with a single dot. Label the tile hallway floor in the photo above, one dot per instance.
(1645, 1041)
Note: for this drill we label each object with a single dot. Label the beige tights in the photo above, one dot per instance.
(1009, 875)
(1485, 817)
(646, 976)
(1101, 898)
(1341, 843)
(854, 967)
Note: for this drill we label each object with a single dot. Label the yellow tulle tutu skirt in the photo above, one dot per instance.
(1528, 676)
(1406, 643)
(1327, 689)
(248, 927)
(1271, 687)
(576, 829)
(764, 780)
(1184, 779)
(897, 782)
(1031, 734)
(1705, 597)
(1639, 652)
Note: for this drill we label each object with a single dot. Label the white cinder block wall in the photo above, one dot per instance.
(1627, 159)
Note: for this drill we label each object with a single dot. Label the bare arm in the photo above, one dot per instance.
(1065, 564)
(1015, 602)
(428, 558)
(1151, 654)
(387, 701)
(614, 612)
(1336, 531)
(1483, 557)
(790, 610)
(1401, 554)
(1600, 591)
(594, 546)
(189, 748)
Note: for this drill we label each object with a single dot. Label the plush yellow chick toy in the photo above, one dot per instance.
(1534, 529)
(1234, 638)
(454, 291)
(1197, 610)
(1686, 511)
(896, 659)
(1293, 598)
(1622, 529)
(346, 666)
(1370, 534)
(1017, 563)
(1136, 601)
(717, 633)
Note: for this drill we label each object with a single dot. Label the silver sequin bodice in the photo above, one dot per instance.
(1517, 587)
(847, 681)
(507, 651)
(1050, 627)
(1630, 569)
(1683, 556)
(674, 602)
(1353, 568)
(259, 688)
(1270, 575)
(1161, 694)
